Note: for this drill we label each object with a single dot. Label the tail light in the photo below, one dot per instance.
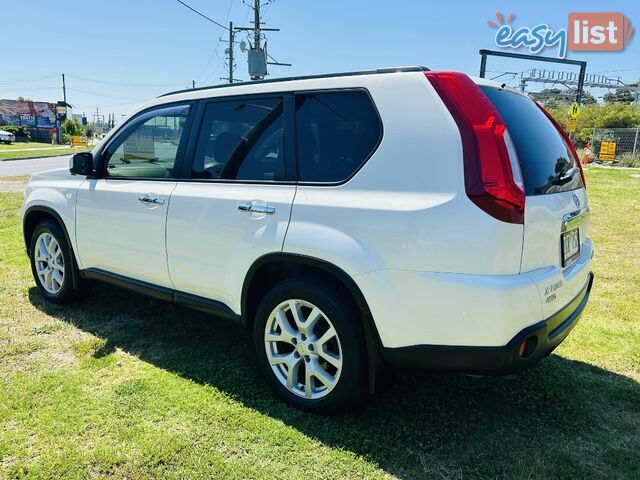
(567, 140)
(492, 174)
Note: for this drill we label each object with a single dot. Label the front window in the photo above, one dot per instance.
(151, 149)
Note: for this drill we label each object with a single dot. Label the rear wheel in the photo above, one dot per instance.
(310, 346)
(52, 263)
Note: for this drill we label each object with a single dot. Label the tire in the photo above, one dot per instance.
(328, 367)
(53, 267)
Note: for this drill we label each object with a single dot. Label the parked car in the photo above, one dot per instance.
(353, 221)
(7, 137)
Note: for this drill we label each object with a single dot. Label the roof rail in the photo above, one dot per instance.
(305, 77)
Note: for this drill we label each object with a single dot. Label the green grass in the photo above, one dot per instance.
(123, 386)
(15, 155)
(23, 145)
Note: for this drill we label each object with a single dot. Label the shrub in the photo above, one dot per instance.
(628, 160)
(18, 130)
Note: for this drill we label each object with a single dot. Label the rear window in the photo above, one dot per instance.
(337, 132)
(547, 163)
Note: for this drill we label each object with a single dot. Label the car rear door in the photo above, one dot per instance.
(236, 203)
(556, 207)
(121, 214)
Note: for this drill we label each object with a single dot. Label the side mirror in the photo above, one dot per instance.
(82, 164)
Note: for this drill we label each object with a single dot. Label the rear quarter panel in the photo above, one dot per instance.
(407, 207)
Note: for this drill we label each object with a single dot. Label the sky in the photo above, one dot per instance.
(117, 54)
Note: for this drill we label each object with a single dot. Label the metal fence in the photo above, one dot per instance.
(627, 141)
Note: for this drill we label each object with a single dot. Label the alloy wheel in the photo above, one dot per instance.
(49, 263)
(303, 349)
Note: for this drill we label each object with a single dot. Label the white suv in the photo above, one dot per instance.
(352, 221)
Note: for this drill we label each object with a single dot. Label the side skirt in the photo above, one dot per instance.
(207, 305)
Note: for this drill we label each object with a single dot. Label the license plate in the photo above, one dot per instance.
(570, 242)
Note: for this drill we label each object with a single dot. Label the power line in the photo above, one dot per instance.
(101, 94)
(30, 79)
(221, 65)
(258, 57)
(31, 88)
(119, 104)
(131, 85)
(621, 70)
(215, 50)
(202, 14)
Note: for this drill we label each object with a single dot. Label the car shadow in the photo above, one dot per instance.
(414, 428)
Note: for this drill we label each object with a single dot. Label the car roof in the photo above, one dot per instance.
(415, 68)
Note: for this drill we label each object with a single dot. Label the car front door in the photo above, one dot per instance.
(121, 214)
(237, 204)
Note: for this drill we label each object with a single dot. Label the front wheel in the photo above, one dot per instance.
(52, 263)
(311, 346)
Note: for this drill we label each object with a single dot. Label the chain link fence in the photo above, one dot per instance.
(625, 148)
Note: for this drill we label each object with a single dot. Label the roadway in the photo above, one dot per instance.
(17, 168)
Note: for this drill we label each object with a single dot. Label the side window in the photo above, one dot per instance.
(150, 150)
(241, 140)
(336, 134)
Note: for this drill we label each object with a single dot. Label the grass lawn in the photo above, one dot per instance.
(128, 387)
(25, 145)
(45, 152)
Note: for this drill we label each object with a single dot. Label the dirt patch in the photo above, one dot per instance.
(13, 184)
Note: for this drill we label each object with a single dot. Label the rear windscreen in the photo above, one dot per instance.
(547, 163)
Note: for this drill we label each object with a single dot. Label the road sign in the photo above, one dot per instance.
(607, 151)
(571, 125)
(574, 110)
(78, 141)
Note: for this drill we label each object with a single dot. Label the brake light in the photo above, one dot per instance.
(492, 175)
(567, 140)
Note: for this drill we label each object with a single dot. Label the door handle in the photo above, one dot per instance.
(250, 207)
(148, 199)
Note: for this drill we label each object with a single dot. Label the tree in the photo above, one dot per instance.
(22, 99)
(621, 95)
(72, 127)
(588, 99)
(610, 115)
(555, 97)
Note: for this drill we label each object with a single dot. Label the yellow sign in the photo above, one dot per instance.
(607, 151)
(78, 141)
(571, 125)
(574, 110)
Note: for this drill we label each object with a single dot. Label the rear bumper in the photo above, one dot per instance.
(541, 339)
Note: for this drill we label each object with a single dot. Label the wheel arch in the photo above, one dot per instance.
(275, 267)
(36, 214)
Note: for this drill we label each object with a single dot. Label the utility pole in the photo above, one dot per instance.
(64, 91)
(256, 24)
(230, 54)
(258, 58)
(231, 40)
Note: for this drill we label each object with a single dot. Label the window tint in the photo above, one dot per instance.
(337, 132)
(547, 163)
(242, 140)
(150, 150)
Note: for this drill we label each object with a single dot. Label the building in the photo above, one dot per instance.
(39, 117)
